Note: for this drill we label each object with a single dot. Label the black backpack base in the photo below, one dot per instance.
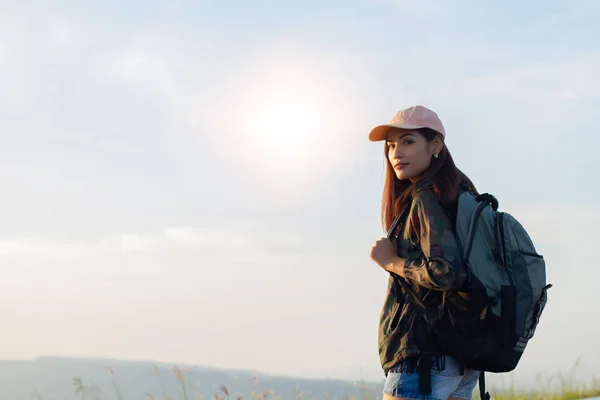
(495, 351)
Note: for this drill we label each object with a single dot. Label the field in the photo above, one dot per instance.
(188, 388)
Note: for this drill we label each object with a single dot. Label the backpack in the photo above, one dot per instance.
(506, 279)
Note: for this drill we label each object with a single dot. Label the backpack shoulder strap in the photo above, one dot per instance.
(482, 393)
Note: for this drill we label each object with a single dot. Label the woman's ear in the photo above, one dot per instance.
(437, 144)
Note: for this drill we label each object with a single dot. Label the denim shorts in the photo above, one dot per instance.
(446, 381)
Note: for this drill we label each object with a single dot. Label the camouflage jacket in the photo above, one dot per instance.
(432, 264)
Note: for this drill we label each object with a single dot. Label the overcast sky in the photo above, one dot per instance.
(192, 181)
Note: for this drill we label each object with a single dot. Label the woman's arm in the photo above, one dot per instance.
(440, 264)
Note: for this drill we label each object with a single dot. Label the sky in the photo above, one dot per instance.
(191, 182)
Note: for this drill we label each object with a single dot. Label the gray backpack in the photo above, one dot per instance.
(502, 261)
(500, 254)
(506, 281)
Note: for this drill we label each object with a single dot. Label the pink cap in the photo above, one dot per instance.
(415, 117)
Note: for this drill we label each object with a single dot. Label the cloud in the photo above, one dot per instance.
(148, 69)
(25, 246)
(61, 33)
(186, 236)
(173, 238)
(180, 237)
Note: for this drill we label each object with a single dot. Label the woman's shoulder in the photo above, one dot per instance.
(425, 194)
(427, 203)
(424, 185)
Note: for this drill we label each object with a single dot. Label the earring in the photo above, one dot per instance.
(435, 155)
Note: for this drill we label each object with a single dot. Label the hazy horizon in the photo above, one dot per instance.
(191, 182)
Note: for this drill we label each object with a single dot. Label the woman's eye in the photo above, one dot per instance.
(408, 141)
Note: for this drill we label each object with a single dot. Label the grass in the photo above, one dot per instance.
(567, 390)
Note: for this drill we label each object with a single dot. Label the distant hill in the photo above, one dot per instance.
(51, 378)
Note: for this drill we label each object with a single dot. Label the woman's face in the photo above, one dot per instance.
(410, 152)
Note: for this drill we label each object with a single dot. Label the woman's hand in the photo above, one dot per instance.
(384, 254)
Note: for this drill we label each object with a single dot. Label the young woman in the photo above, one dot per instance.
(421, 254)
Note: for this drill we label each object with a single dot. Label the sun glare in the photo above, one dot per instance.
(286, 125)
(288, 120)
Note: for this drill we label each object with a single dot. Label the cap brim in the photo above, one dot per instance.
(379, 133)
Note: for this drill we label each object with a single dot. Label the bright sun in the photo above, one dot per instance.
(286, 123)
(288, 119)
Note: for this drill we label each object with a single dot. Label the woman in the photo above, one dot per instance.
(422, 256)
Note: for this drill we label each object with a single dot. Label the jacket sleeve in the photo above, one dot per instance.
(440, 265)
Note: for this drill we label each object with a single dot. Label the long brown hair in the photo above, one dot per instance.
(445, 177)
